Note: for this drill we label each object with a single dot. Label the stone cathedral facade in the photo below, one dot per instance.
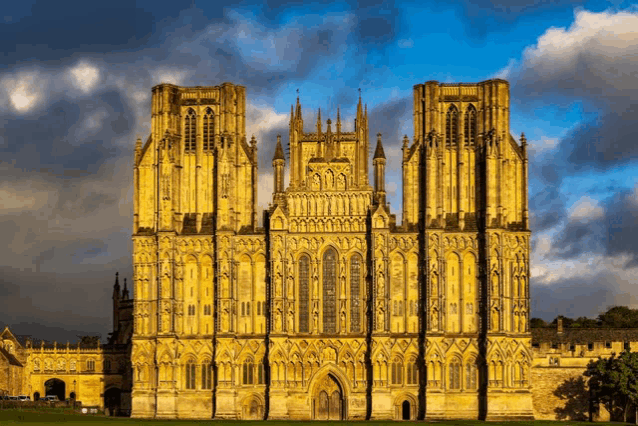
(332, 310)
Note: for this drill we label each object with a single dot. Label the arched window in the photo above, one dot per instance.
(451, 126)
(209, 129)
(355, 293)
(243, 309)
(455, 375)
(190, 131)
(470, 126)
(248, 308)
(329, 291)
(248, 375)
(261, 374)
(207, 374)
(413, 378)
(471, 375)
(191, 372)
(397, 372)
(304, 272)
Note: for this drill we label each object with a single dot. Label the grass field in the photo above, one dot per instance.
(11, 417)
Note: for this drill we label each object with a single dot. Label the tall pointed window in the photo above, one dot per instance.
(190, 132)
(355, 293)
(470, 126)
(304, 272)
(329, 291)
(209, 129)
(452, 126)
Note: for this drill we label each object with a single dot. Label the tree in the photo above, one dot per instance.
(619, 317)
(537, 323)
(614, 381)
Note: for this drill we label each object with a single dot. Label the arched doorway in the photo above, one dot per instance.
(405, 410)
(328, 401)
(36, 396)
(112, 400)
(55, 387)
(252, 409)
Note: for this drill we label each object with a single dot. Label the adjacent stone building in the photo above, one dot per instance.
(95, 374)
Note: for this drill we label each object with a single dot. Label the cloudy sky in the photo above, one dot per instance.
(75, 80)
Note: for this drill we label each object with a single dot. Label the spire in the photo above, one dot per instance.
(116, 286)
(298, 110)
(279, 151)
(366, 113)
(125, 294)
(406, 141)
(379, 153)
(319, 121)
(338, 120)
(359, 108)
(292, 113)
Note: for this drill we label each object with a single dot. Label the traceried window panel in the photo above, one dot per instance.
(209, 129)
(190, 132)
(451, 126)
(329, 291)
(304, 272)
(355, 293)
(470, 126)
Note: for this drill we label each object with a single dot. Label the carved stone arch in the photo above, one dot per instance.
(252, 407)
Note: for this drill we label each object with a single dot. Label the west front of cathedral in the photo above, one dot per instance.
(331, 310)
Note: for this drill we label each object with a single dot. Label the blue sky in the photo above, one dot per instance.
(75, 80)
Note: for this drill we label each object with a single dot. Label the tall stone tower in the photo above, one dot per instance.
(465, 187)
(195, 182)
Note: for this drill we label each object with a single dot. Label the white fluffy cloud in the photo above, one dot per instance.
(24, 90)
(84, 76)
(586, 209)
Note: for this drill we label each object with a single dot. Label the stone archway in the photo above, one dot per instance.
(112, 400)
(55, 387)
(328, 400)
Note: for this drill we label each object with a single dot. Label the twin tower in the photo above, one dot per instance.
(332, 310)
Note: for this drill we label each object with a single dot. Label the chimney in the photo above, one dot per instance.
(559, 325)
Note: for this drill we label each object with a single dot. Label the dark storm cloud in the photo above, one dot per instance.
(387, 119)
(575, 297)
(53, 30)
(547, 209)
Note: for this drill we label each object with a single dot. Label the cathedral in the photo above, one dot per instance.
(332, 309)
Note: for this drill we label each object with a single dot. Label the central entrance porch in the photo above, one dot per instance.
(328, 402)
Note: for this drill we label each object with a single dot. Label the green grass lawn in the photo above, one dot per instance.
(54, 418)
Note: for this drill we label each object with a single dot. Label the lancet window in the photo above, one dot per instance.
(209, 130)
(190, 131)
(355, 293)
(191, 371)
(304, 272)
(470, 126)
(329, 291)
(452, 126)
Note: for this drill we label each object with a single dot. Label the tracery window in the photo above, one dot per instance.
(412, 378)
(190, 131)
(451, 126)
(397, 372)
(304, 272)
(90, 365)
(355, 293)
(261, 374)
(470, 126)
(329, 291)
(191, 372)
(209, 129)
(471, 374)
(455, 375)
(248, 370)
(207, 374)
